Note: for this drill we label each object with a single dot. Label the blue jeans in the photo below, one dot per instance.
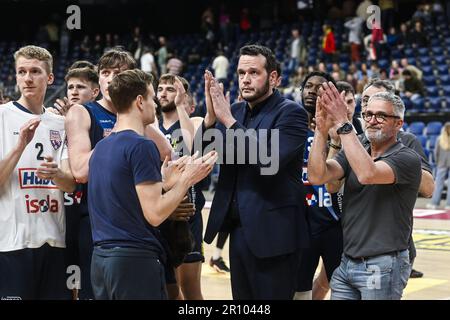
(376, 278)
(440, 180)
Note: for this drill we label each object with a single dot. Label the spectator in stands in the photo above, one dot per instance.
(413, 87)
(174, 65)
(209, 34)
(162, 55)
(383, 74)
(328, 43)
(418, 37)
(362, 83)
(321, 67)
(377, 41)
(397, 80)
(394, 67)
(353, 70)
(374, 71)
(335, 75)
(148, 61)
(442, 156)
(208, 16)
(392, 38)
(404, 37)
(354, 36)
(299, 76)
(220, 66)
(422, 13)
(405, 65)
(349, 78)
(336, 68)
(135, 42)
(298, 50)
(244, 21)
(224, 25)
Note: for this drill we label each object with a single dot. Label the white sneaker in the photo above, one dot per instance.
(431, 206)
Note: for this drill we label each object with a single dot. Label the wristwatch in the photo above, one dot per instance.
(345, 128)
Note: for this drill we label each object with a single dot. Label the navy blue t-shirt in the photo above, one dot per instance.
(118, 163)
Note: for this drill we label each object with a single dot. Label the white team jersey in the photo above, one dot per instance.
(31, 209)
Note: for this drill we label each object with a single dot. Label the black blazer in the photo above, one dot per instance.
(271, 207)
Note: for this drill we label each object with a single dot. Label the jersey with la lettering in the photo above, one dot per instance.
(31, 209)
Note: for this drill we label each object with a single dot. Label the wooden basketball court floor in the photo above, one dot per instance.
(432, 238)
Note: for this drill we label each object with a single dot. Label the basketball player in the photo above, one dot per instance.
(128, 257)
(88, 124)
(34, 170)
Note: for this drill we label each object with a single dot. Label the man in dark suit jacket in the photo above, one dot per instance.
(259, 202)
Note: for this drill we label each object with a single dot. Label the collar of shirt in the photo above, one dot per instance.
(251, 113)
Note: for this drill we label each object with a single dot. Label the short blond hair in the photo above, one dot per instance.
(35, 52)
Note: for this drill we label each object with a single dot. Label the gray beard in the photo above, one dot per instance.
(377, 137)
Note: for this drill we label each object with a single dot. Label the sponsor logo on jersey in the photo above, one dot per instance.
(45, 205)
(72, 198)
(55, 139)
(321, 199)
(305, 176)
(28, 179)
(106, 132)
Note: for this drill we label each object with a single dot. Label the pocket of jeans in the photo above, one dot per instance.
(405, 269)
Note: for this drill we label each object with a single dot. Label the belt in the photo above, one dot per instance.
(391, 253)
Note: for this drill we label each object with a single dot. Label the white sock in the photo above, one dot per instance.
(304, 295)
(217, 253)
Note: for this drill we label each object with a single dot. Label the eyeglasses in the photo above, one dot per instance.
(379, 117)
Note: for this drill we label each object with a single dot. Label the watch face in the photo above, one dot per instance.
(345, 128)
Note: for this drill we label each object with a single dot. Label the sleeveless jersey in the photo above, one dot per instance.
(102, 123)
(31, 209)
(175, 138)
(324, 209)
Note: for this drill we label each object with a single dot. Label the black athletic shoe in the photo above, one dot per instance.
(416, 274)
(219, 265)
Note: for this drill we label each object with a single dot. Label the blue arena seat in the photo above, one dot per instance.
(433, 128)
(416, 127)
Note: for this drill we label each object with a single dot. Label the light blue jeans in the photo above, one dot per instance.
(377, 278)
(439, 186)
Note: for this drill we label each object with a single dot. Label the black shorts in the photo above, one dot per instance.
(33, 274)
(196, 225)
(79, 247)
(329, 246)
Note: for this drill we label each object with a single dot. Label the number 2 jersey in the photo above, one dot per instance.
(31, 209)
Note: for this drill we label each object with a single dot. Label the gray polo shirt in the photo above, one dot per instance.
(377, 219)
